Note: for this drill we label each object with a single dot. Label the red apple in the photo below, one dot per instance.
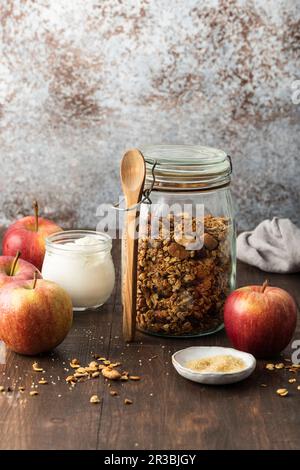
(15, 269)
(260, 320)
(27, 235)
(35, 316)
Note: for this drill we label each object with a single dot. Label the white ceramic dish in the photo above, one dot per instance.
(180, 358)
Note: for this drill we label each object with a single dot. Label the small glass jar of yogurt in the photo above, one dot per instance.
(80, 261)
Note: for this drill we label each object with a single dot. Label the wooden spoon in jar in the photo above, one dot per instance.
(132, 178)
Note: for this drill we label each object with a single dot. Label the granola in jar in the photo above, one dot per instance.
(185, 241)
(181, 291)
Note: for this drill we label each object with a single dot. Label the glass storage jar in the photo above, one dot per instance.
(186, 261)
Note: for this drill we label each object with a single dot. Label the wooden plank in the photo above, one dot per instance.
(59, 417)
(168, 412)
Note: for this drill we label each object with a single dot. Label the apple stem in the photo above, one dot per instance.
(36, 214)
(34, 280)
(14, 264)
(264, 286)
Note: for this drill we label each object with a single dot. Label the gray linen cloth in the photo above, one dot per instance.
(273, 246)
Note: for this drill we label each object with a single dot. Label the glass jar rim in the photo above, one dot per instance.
(186, 167)
(57, 241)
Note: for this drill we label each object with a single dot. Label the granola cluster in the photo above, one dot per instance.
(181, 291)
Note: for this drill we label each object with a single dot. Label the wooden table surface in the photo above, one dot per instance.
(168, 412)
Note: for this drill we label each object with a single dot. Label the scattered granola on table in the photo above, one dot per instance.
(282, 392)
(43, 381)
(36, 367)
(182, 291)
(95, 399)
(280, 366)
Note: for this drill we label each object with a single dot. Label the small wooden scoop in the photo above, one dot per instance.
(132, 178)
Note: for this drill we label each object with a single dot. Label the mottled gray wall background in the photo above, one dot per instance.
(82, 80)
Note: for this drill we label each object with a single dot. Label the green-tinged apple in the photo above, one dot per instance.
(16, 269)
(260, 320)
(28, 235)
(35, 316)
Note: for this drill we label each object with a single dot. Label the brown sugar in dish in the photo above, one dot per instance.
(221, 363)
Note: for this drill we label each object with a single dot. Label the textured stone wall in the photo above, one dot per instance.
(82, 80)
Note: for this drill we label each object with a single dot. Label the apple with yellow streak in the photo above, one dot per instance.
(35, 315)
(260, 320)
(28, 235)
(16, 269)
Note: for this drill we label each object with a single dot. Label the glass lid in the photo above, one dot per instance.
(186, 166)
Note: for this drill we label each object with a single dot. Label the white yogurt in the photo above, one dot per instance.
(82, 265)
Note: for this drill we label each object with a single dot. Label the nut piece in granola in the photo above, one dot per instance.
(71, 379)
(111, 374)
(282, 392)
(80, 372)
(43, 381)
(74, 364)
(124, 378)
(292, 381)
(280, 365)
(210, 242)
(36, 367)
(178, 251)
(95, 399)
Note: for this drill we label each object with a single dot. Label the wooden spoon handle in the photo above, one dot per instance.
(129, 285)
(132, 174)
